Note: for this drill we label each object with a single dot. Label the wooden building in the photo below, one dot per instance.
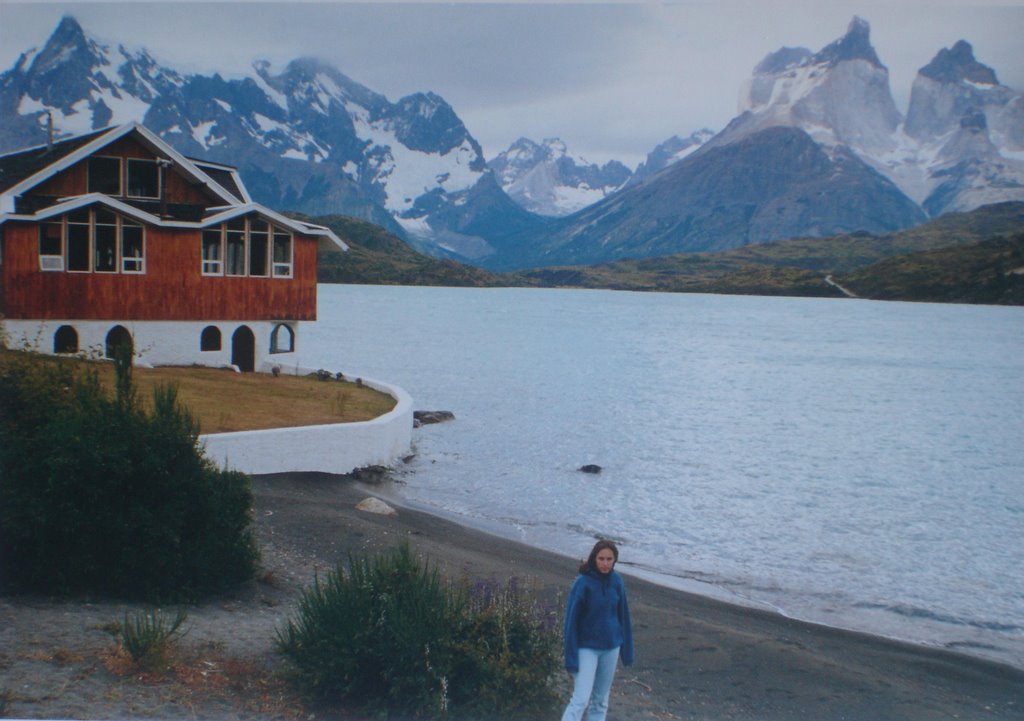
(113, 236)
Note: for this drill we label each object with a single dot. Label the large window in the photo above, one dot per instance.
(213, 261)
(133, 256)
(143, 178)
(236, 247)
(259, 242)
(105, 241)
(282, 253)
(248, 246)
(104, 175)
(92, 240)
(78, 242)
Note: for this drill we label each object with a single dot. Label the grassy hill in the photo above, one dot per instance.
(989, 272)
(974, 265)
(799, 266)
(377, 257)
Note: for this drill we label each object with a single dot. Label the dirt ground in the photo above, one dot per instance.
(696, 658)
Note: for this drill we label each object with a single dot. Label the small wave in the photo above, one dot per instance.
(924, 613)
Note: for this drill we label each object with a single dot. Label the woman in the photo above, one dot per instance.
(597, 632)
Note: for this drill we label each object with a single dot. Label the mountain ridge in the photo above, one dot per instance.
(879, 178)
(310, 139)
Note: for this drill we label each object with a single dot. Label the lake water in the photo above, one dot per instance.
(854, 463)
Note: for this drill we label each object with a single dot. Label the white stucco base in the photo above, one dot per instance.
(334, 448)
(155, 342)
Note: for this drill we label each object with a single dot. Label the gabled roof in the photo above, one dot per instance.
(226, 177)
(25, 169)
(29, 173)
(15, 167)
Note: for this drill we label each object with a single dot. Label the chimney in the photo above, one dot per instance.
(49, 130)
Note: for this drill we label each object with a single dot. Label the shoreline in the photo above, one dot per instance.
(704, 658)
(389, 490)
(697, 658)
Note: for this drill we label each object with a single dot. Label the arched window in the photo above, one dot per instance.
(210, 339)
(282, 339)
(118, 335)
(65, 340)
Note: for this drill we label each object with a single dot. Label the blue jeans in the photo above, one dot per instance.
(593, 684)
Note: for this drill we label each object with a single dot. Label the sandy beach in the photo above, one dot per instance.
(697, 658)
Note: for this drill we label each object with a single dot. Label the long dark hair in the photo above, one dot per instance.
(591, 563)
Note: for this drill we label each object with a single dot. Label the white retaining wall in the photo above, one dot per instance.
(333, 448)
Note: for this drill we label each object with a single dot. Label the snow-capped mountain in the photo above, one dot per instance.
(959, 147)
(546, 179)
(118, 88)
(306, 138)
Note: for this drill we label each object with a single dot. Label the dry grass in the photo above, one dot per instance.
(223, 400)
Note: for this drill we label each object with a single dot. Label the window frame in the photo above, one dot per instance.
(211, 266)
(129, 190)
(73, 241)
(120, 175)
(126, 259)
(281, 269)
(236, 248)
(110, 240)
(79, 235)
(240, 247)
(258, 246)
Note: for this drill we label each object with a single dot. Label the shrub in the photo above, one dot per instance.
(509, 653)
(98, 497)
(390, 638)
(147, 636)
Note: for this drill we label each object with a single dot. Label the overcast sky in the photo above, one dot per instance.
(611, 79)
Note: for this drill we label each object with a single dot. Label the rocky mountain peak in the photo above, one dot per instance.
(854, 45)
(957, 64)
(839, 95)
(545, 178)
(426, 122)
(68, 33)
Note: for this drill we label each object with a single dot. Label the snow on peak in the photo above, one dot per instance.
(547, 179)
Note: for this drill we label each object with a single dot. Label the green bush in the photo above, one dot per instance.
(509, 654)
(390, 638)
(99, 497)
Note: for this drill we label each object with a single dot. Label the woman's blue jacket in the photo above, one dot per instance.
(597, 617)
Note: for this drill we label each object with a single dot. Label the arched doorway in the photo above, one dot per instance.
(243, 349)
(65, 340)
(118, 335)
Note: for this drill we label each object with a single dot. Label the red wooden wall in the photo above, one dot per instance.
(172, 288)
(73, 180)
